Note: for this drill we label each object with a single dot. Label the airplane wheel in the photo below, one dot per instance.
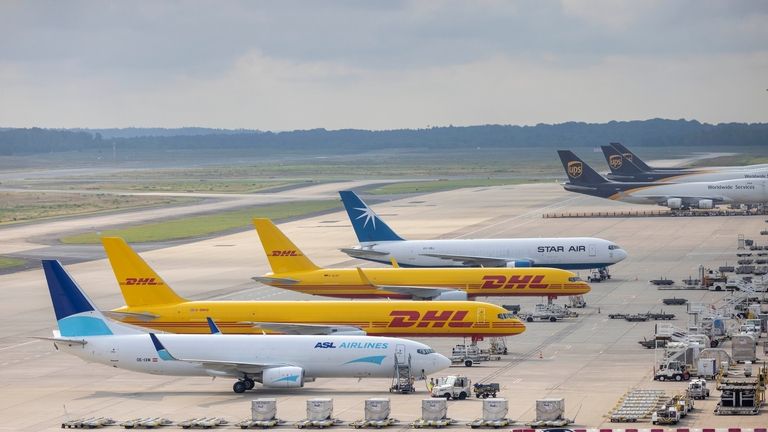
(249, 384)
(468, 363)
(552, 319)
(239, 387)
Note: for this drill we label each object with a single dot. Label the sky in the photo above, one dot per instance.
(284, 65)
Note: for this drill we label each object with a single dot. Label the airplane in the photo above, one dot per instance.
(292, 270)
(623, 168)
(151, 303)
(379, 243)
(275, 361)
(703, 195)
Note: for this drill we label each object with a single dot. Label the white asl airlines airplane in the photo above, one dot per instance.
(379, 243)
(279, 361)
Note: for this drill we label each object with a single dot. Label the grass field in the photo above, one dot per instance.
(203, 225)
(149, 185)
(24, 206)
(7, 262)
(443, 185)
(733, 160)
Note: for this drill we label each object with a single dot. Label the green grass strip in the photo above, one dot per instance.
(199, 226)
(8, 262)
(443, 185)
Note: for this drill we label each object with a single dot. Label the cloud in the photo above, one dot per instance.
(291, 64)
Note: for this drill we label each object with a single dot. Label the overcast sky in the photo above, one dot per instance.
(286, 65)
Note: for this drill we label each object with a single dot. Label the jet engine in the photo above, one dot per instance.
(452, 295)
(283, 377)
(675, 203)
(705, 204)
(520, 263)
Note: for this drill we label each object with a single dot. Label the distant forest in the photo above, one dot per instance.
(656, 132)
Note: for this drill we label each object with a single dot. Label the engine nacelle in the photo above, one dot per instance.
(458, 295)
(705, 204)
(283, 377)
(519, 263)
(675, 203)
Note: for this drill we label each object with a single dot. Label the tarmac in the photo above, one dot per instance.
(591, 361)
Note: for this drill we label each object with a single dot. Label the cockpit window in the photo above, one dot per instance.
(506, 316)
(425, 351)
(613, 247)
(574, 279)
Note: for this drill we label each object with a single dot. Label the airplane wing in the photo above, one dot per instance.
(468, 260)
(273, 280)
(234, 367)
(61, 340)
(141, 316)
(363, 253)
(308, 329)
(420, 292)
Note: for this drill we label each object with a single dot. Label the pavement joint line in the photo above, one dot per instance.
(18, 345)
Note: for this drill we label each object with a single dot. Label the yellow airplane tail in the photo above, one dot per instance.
(139, 283)
(282, 254)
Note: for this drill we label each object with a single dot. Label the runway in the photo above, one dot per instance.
(591, 361)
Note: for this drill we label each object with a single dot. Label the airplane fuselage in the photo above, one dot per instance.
(376, 318)
(570, 253)
(318, 356)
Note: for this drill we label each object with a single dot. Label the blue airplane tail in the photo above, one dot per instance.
(75, 313)
(368, 226)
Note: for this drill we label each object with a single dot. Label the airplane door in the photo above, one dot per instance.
(400, 353)
(480, 315)
(114, 356)
(592, 250)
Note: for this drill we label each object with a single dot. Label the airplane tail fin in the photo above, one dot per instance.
(618, 163)
(139, 283)
(579, 173)
(75, 313)
(368, 226)
(282, 254)
(627, 153)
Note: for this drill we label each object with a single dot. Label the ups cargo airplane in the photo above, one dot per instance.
(623, 168)
(379, 243)
(292, 270)
(703, 195)
(151, 303)
(274, 361)
(627, 153)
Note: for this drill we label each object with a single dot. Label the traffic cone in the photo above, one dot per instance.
(541, 356)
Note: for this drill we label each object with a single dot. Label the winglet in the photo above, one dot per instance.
(368, 226)
(161, 351)
(212, 325)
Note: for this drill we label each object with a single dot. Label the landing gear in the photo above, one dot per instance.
(239, 387)
(242, 385)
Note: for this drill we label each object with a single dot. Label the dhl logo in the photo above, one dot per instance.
(285, 253)
(514, 281)
(141, 281)
(438, 319)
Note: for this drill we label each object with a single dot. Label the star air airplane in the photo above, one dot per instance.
(275, 361)
(292, 270)
(379, 243)
(151, 303)
(623, 168)
(703, 195)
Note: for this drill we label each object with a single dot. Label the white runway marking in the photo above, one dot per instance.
(18, 345)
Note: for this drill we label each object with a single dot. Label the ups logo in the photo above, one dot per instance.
(575, 169)
(284, 253)
(628, 156)
(615, 161)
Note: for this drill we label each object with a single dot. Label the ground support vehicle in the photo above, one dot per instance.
(203, 423)
(452, 387)
(666, 415)
(88, 423)
(697, 389)
(146, 423)
(261, 424)
(598, 275)
(359, 424)
(672, 371)
(485, 390)
(320, 424)
(421, 423)
(471, 354)
(480, 423)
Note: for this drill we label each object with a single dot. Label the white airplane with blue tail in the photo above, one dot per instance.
(275, 361)
(379, 243)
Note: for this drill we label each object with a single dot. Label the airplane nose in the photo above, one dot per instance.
(441, 362)
(622, 255)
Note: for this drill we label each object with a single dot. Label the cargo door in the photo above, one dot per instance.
(481, 315)
(400, 353)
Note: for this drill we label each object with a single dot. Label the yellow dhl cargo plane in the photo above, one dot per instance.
(292, 270)
(150, 302)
